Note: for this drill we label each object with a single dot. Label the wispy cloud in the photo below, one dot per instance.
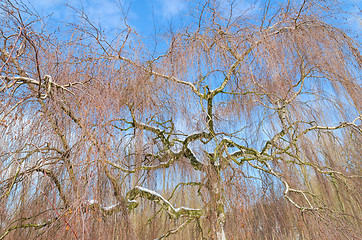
(240, 8)
(47, 4)
(171, 7)
(47, 7)
(105, 12)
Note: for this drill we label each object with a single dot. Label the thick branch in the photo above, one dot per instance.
(162, 202)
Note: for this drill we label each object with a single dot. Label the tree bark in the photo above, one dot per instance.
(217, 205)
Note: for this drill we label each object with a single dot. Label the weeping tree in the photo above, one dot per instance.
(237, 117)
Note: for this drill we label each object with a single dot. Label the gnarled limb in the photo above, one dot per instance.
(163, 203)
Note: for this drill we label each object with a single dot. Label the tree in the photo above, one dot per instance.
(234, 118)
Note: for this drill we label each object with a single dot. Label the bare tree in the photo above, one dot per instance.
(241, 125)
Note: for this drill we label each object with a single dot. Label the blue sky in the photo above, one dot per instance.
(143, 15)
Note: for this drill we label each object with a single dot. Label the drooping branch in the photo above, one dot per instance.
(175, 230)
(50, 174)
(24, 226)
(164, 76)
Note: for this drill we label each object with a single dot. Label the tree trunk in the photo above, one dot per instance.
(216, 211)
